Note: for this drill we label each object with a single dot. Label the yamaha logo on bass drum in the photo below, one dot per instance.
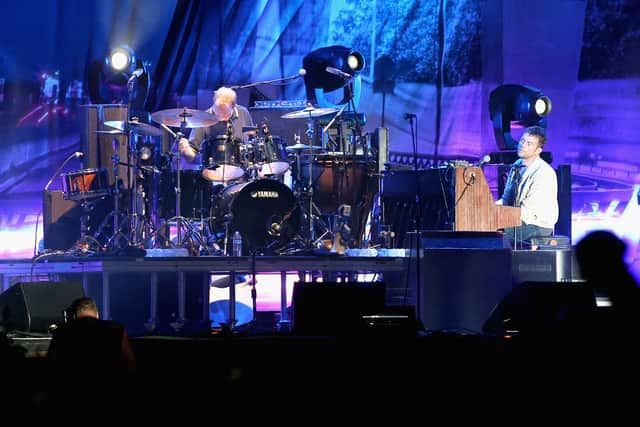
(264, 194)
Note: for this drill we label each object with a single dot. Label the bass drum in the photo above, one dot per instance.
(264, 211)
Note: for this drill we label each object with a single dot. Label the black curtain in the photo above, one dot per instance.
(178, 56)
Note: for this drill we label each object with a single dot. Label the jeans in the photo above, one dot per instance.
(522, 234)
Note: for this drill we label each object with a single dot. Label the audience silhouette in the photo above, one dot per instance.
(600, 255)
(88, 347)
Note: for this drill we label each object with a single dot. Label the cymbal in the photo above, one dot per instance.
(178, 116)
(309, 112)
(302, 147)
(110, 132)
(135, 126)
(250, 130)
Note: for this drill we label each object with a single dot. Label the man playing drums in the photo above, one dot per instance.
(220, 145)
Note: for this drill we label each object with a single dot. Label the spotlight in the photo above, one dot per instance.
(329, 69)
(524, 105)
(108, 79)
(121, 58)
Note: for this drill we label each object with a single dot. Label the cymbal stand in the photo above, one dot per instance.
(113, 241)
(306, 192)
(190, 231)
(83, 245)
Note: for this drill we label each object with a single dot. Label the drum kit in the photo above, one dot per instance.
(238, 186)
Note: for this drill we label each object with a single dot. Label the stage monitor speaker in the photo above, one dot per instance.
(61, 219)
(459, 287)
(331, 308)
(35, 306)
(543, 308)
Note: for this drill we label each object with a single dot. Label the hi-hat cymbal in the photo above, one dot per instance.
(135, 126)
(176, 117)
(309, 112)
(302, 147)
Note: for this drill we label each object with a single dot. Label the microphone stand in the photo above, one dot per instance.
(283, 79)
(418, 220)
(356, 211)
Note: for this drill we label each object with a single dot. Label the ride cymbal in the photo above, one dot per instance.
(135, 126)
(302, 147)
(309, 112)
(176, 117)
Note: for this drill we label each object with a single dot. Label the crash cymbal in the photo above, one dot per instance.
(178, 116)
(302, 147)
(136, 127)
(309, 112)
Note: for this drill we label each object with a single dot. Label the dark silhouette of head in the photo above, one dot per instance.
(600, 255)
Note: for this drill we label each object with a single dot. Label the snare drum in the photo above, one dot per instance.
(222, 158)
(85, 184)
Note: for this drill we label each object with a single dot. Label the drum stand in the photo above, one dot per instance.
(191, 234)
(113, 243)
(84, 243)
(141, 227)
(306, 198)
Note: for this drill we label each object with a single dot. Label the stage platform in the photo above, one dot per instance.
(101, 275)
(457, 288)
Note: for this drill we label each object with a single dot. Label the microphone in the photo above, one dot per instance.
(486, 159)
(136, 75)
(302, 72)
(408, 116)
(76, 155)
(338, 73)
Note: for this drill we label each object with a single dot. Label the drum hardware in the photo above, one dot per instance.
(187, 118)
(112, 242)
(325, 135)
(309, 113)
(305, 193)
(86, 241)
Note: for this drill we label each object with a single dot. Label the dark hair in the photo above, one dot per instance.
(540, 132)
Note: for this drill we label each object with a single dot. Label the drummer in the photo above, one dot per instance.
(226, 110)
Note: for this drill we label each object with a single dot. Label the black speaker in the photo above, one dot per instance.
(331, 308)
(61, 219)
(463, 275)
(35, 306)
(543, 308)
